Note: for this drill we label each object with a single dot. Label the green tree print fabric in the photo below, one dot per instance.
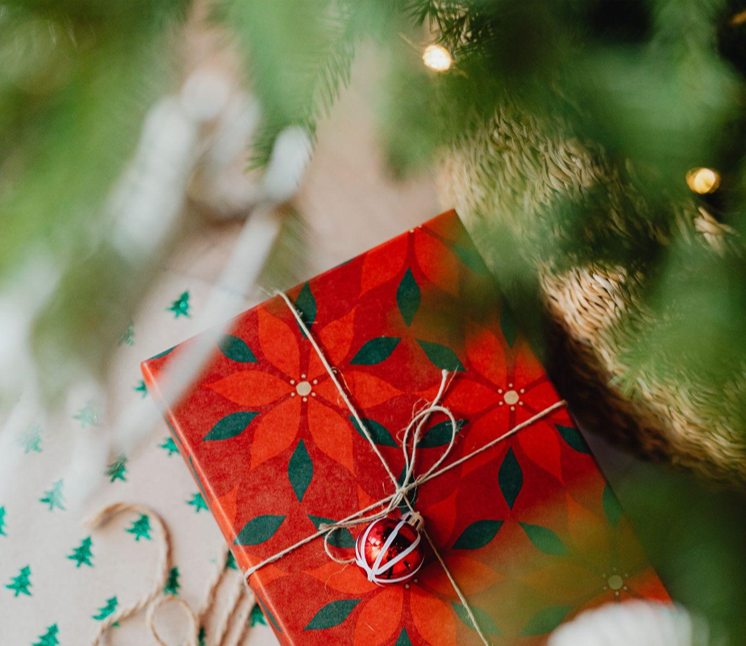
(83, 554)
(60, 580)
(21, 583)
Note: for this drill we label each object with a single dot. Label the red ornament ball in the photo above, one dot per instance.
(390, 550)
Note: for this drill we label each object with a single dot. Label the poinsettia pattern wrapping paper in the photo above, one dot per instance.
(530, 529)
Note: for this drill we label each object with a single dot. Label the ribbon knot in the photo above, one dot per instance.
(411, 436)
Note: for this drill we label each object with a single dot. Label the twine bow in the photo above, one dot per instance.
(409, 481)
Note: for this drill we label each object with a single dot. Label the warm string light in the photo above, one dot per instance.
(703, 180)
(738, 19)
(437, 58)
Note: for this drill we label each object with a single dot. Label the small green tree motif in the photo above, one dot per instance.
(2, 521)
(198, 502)
(141, 388)
(169, 445)
(20, 584)
(140, 528)
(172, 583)
(88, 415)
(49, 638)
(230, 563)
(54, 497)
(118, 469)
(180, 307)
(257, 616)
(31, 440)
(82, 554)
(202, 636)
(107, 610)
(128, 336)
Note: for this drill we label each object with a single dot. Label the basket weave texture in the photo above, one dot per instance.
(510, 174)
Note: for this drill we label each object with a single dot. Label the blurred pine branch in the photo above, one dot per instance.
(642, 91)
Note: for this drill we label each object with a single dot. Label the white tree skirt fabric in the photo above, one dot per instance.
(60, 579)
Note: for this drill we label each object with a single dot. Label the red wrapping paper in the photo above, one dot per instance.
(530, 529)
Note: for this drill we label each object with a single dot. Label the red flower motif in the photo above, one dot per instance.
(293, 386)
(508, 387)
(436, 260)
(428, 599)
(603, 564)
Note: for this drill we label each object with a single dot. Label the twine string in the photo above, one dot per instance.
(154, 599)
(197, 620)
(409, 482)
(192, 632)
(164, 560)
(346, 522)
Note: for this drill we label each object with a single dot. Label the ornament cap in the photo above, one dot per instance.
(415, 519)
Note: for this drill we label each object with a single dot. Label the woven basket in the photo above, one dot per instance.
(511, 173)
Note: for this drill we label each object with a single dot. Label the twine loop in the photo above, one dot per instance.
(409, 482)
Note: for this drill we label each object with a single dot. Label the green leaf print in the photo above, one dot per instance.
(408, 297)
(236, 349)
(375, 351)
(259, 529)
(300, 470)
(573, 438)
(612, 508)
(510, 478)
(544, 539)
(545, 621)
(486, 623)
(440, 434)
(340, 537)
(230, 426)
(508, 325)
(378, 432)
(441, 356)
(332, 614)
(478, 534)
(306, 305)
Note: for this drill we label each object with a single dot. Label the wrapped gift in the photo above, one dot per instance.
(298, 421)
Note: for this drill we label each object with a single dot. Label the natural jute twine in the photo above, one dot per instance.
(154, 599)
(164, 560)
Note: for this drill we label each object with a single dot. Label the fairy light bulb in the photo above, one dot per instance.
(703, 180)
(437, 58)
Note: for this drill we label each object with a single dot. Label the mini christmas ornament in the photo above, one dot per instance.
(390, 549)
